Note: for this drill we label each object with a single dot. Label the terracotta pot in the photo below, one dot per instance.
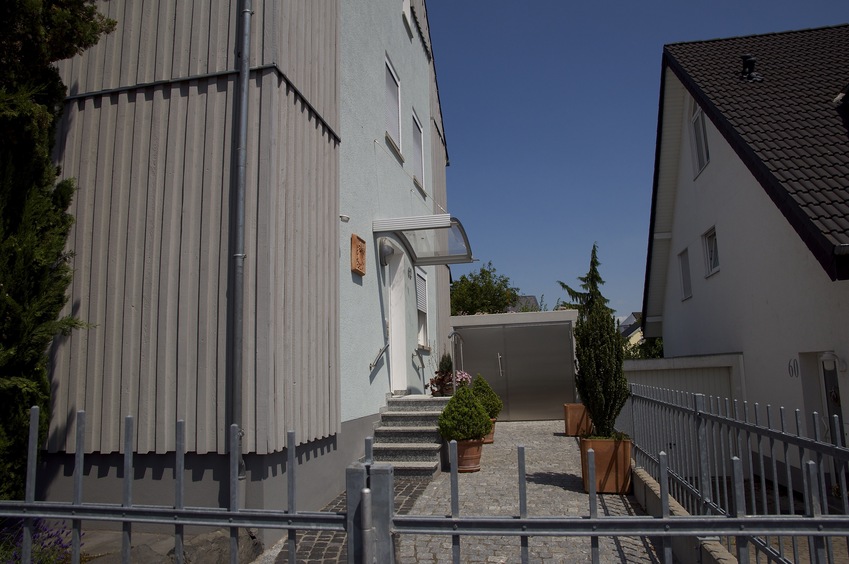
(490, 437)
(577, 420)
(612, 465)
(469, 455)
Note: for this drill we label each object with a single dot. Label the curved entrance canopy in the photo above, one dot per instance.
(429, 239)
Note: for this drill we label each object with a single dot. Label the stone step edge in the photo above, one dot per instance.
(407, 446)
(411, 414)
(414, 464)
(404, 429)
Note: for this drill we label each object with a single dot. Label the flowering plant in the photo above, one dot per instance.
(463, 378)
(442, 384)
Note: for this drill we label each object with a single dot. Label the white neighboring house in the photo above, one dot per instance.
(336, 165)
(748, 250)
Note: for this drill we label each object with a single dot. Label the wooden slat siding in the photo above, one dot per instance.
(169, 269)
(225, 257)
(251, 301)
(116, 276)
(420, 16)
(308, 52)
(83, 253)
(188, 328)
(152, 247)
(266, 251)
(209, 435)
(101, 210)
(60, 355)
(152, 211)
(131, 335)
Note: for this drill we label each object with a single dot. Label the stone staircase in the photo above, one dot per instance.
(407, 436)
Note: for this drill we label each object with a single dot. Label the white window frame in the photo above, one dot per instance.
(393, 108)
(407, 12)
(699, 139)
(418, 152)
(686, 279)
(421, 307)
(711, 252)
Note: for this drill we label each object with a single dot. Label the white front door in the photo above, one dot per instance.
(398, 288)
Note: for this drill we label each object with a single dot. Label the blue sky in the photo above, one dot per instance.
(550, 112)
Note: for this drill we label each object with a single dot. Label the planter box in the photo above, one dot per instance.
(490, 438)
(612, 465)
(577, 420)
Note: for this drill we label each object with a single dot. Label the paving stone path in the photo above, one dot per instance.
(553, 468)
(554, 488)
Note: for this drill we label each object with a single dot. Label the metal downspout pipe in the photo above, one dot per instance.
(241, 129)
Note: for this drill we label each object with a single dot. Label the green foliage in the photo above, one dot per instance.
(34, 224)
(446, 364)
(464, 418)
(599, 348)
(490, 401)
(645, 349)
(482, 292)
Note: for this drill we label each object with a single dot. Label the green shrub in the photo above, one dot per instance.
(464, 418)
(490, 401)
(446, 364)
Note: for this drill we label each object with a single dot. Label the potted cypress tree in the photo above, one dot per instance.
(490, 401)
(601, 383)
(464, 420)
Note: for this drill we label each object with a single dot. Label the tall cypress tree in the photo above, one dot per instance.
(600, 378)
(34, 223)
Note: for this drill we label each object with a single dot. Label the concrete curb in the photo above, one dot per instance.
(687, 550)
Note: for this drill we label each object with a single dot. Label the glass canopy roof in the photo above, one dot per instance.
(429, 239)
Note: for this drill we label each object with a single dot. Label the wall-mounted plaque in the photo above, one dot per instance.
(358, 255)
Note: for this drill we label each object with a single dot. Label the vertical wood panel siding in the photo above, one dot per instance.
(151, 240)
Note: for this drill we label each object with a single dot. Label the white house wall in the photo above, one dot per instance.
(147, 133)
(376, 184)
(770, 299)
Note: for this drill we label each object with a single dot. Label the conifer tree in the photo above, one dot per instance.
(599, 349)
(34, 223)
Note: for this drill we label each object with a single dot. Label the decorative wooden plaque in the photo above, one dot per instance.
(358, 255)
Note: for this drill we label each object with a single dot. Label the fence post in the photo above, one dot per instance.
(355, 483)
(740, 508)
(29, 487)
(382, 484)
(816, 544)
(292, 508)
(127, 526)
(702, 446)
(594, 549)
(663, 479)
(79, 458)
(179, 485)
(367, 527)
(235, 448)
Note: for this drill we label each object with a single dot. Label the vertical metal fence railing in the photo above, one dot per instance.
(77, 512)
(704, 435)
(762, 490)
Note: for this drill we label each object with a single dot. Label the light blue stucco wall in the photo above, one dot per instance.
(375, 184)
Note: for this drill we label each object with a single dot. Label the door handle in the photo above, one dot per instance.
(500, 368)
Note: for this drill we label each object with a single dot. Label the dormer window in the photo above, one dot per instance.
(698, 135)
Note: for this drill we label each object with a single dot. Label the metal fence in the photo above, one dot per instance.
(784, 472)
(371, 524)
